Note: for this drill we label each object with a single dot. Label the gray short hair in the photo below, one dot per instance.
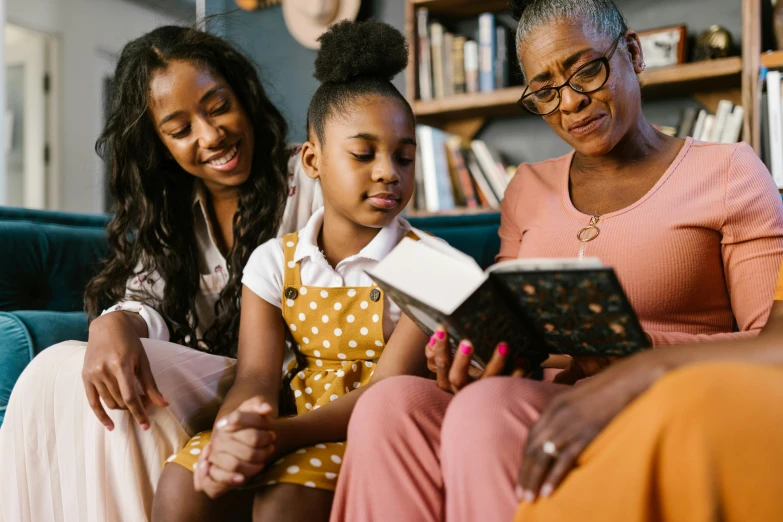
(601, 15)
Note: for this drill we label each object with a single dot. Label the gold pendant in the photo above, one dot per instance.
(590, 232)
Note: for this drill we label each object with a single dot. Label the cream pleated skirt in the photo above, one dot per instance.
(59, 464)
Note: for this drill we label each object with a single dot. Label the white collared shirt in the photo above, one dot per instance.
(144, 291)
(264, 270)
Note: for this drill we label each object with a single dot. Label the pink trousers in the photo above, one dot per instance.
(417, 453)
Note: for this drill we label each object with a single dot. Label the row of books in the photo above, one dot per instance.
(451, 173)
(772, 124)
(725, 126)
(453, 64)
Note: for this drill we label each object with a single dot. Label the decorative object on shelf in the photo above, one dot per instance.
(308, 19)
(777, 23)
(715, 42)
(252, 5)
(663, 47)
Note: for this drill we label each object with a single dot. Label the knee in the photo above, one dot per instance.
(175, 497)
(387, 407)
(706, 395)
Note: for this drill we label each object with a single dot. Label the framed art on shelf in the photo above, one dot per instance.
(664, 47)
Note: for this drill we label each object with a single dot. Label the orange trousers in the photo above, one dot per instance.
(704, 444)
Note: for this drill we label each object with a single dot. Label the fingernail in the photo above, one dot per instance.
(503, 349)
(465, 347)
(440, 334)
(529, 496)
(546, 490)
(264, 408)
(238, 478)
(195, 466)
(109, 427)
(221, 423)
(519, 492)
(432, 340)
(145, 426)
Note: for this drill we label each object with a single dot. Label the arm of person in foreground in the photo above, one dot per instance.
(575, 417)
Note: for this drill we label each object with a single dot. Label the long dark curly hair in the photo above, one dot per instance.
(153, 229)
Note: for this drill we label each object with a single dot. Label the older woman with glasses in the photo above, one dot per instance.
(694, 231)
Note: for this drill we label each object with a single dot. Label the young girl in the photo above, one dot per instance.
(280, 451)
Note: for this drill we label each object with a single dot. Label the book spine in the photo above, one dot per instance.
(487, 51)
(733, 130)
(471, 66)
(425, 63)
(706, 132)
(501, 58)
(688, 119)
(428, 167)
(419, 197)
(497, 177)
(436, 36)
(775, 126)
(699, 125)
(721, 117)
(462, 177)
(458, 59)
(482, 181)
(448, 64)
(765, 152)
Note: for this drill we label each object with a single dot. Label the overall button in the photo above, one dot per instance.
(291, 293)
(375, 295)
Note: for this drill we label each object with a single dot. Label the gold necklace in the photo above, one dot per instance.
(587, 234)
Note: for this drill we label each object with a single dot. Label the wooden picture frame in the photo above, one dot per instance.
(252, 5)
(664, 46)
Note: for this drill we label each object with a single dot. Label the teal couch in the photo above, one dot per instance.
(46, 258)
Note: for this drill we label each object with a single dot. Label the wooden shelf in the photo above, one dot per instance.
(691, 77)
(481, 104)
(666, 81)
(772, 60)
(461, 8)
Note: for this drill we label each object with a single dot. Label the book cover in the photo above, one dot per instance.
(539, 307)
(425, 63)
(487, 51)
(471, 66)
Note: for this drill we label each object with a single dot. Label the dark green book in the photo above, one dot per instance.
(538, 306)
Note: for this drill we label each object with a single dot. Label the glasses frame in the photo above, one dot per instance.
(604, 59)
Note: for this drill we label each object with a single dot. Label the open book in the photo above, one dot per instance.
(538, 306)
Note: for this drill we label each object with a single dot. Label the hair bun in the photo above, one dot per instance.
(517, 7)
(354, 49)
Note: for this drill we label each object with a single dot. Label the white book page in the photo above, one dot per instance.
(428, 272)
(543, 264)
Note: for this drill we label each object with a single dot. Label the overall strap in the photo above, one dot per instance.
(291, 276)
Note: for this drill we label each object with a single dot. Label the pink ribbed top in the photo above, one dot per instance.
(699, 250)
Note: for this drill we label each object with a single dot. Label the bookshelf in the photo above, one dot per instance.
(734, 78)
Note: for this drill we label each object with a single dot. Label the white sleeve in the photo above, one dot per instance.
(142, 292)
(304, 196)
(263, 273)
(156, 326)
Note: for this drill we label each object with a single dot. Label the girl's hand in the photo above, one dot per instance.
(454, 373)
(574, 419)
(114, 364)
(242, 443)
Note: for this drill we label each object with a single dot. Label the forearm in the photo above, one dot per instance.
(766, 349)
(127, 321)
(660, 339)
(326, 424)
(245, 388)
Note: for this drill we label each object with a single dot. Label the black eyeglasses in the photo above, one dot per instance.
(588, 78)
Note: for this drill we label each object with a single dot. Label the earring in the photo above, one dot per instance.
(643, 66)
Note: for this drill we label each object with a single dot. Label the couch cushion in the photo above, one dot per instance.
(473, 234)
(25, 334)
(54, 218)
(45, 266)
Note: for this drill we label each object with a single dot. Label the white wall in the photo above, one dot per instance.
(88, 30)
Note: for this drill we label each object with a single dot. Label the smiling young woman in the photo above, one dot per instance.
(202, 175)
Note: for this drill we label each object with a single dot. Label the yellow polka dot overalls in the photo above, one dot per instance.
(338, 334)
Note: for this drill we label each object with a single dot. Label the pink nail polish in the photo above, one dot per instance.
(503, 349)
(465, 347)
(432, 340)
(440, 334)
